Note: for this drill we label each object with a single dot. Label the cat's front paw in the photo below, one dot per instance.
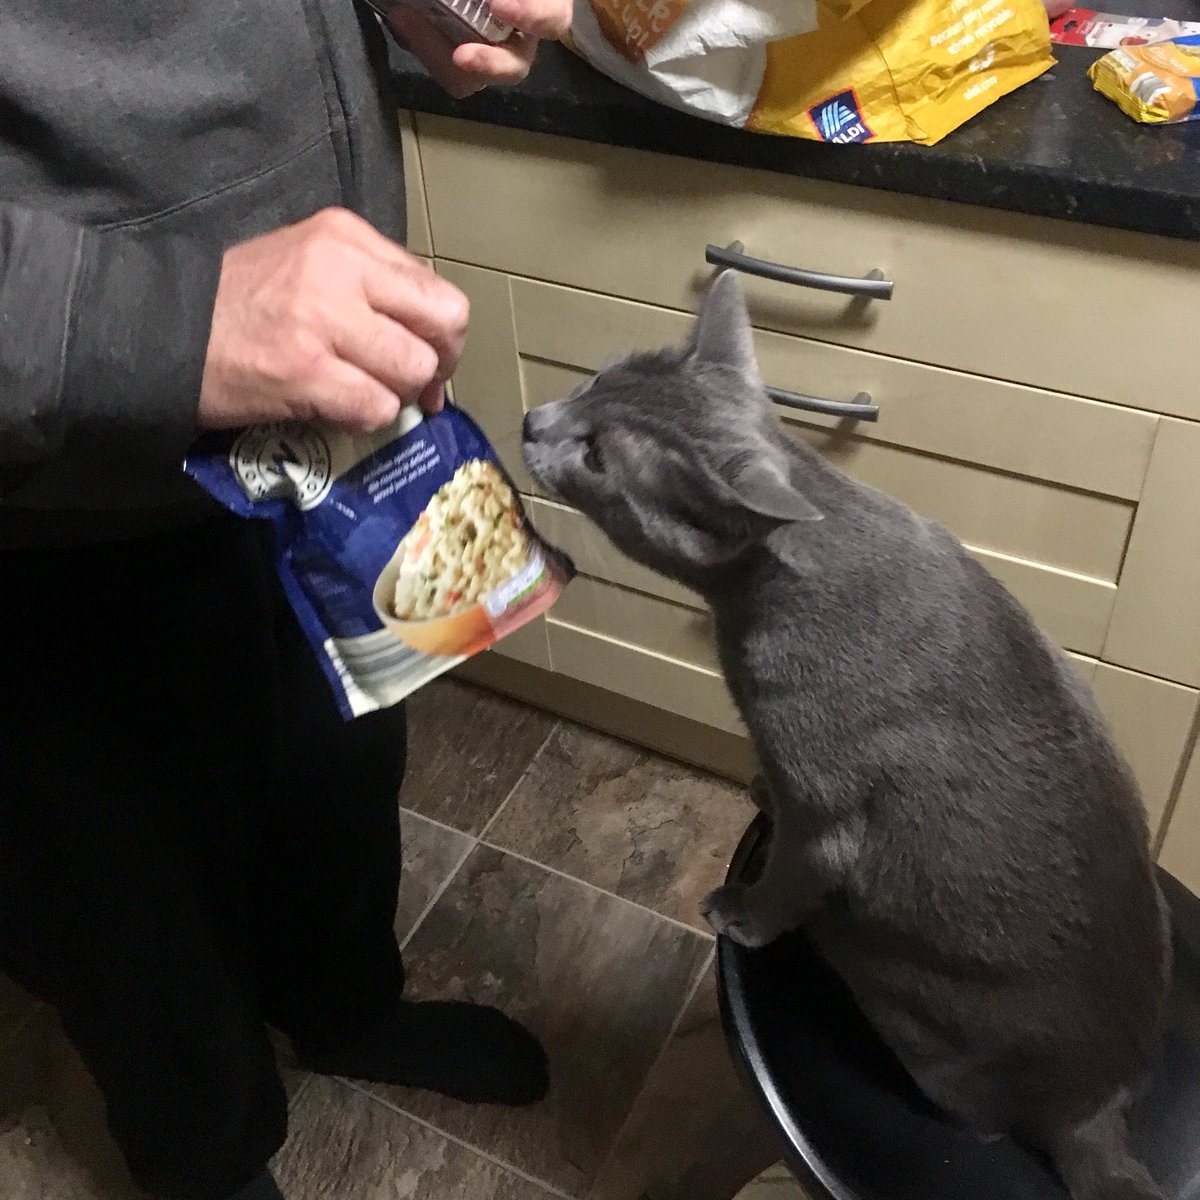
(730, 912)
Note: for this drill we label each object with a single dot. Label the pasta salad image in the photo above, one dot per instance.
(468, 541)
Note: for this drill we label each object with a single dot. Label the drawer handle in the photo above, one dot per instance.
(858, 409)
(873, 285)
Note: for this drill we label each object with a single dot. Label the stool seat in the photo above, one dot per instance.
(853, 1124)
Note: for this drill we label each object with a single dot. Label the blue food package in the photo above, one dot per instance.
(402, 553)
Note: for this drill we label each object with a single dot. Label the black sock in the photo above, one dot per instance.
(467, 1051)
(262, 1187)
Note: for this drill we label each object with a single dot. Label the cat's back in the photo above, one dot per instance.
(1004, 886)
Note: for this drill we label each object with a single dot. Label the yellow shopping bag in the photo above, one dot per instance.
(828, 70)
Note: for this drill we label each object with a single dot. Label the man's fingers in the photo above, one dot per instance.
(351, 398)
(507, 64)
(389, 354)
(424, 303)
(434, 52)
(433, 398)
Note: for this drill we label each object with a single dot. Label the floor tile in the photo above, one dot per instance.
(431, 853)
(695, 1133)
(466, 751)
(35, 1165)
(54, 1142)
(598, 980)
(775, 1183)
(54, 1139)
(346, 1146)
(645, 828)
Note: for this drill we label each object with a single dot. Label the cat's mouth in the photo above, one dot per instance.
(538, 457)
(537, 464)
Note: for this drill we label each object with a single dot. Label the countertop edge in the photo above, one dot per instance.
(1031, 189)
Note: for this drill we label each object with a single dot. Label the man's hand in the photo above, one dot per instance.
(328, 319)
(467, 69)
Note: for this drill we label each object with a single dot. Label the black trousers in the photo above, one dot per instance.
(193, 844)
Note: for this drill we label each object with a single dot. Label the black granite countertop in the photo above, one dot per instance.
(1053, 148)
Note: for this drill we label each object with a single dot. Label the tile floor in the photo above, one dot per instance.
(552, 871)
(775, 1183)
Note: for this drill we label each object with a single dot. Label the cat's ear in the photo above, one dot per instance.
(761, 485)
(722, 335)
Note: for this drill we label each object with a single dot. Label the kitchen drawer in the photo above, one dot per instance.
(1012, 297)
(1181, 846)
(618, 666)
(595, 556)
(1062, 528)
(529, 644)
(1156, 619)
(1042, 487)
(1019, 430)
(683, 634)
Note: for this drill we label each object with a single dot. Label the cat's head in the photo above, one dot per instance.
(677, 454)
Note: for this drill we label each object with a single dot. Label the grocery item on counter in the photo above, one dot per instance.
(1107, 31)
(1157, 84)
(402, 552)
(827, 70)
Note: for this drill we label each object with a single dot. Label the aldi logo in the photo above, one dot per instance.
(838, 119)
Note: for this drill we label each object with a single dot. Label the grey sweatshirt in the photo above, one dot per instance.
(138, 139)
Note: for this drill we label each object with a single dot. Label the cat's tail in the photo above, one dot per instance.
(1095, 1161)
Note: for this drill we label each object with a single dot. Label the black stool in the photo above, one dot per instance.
(854, 1126)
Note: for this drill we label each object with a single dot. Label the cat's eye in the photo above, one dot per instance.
(592, 458)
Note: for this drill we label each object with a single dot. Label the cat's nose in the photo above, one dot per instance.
(537, 422)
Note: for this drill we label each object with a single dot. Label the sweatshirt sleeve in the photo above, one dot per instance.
(103, 337)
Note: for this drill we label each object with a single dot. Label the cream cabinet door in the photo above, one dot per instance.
(1156, 617)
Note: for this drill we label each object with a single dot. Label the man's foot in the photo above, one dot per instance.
(467, 1051)
(262, 1187)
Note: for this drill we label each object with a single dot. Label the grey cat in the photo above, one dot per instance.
(952, 823)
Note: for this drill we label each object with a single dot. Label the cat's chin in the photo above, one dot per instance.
(551, 492)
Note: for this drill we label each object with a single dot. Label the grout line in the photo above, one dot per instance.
(412, 812)
(524, 775)
(700, 933)
(704, 934)
(689, 996)
(473, 840)
(439, 891)
(460, 1142)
